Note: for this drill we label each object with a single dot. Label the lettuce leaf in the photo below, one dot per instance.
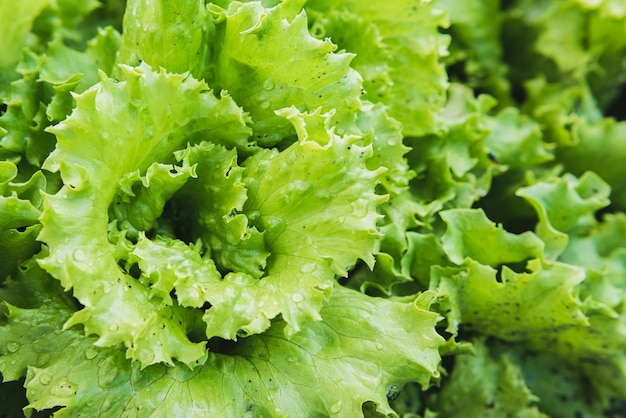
(487, 384)
(20, 207)
(165, 34)
(17, 20)
(398, 48)
(263, 73)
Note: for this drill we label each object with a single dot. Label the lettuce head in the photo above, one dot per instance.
(305, 208)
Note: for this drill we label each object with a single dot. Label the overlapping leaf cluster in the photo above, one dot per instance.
(197, 185)
(312, 208)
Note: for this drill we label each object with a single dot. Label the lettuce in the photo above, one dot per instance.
(312, 208)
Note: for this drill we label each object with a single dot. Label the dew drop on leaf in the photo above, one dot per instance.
(63, 389)
(146, 356)
(336, 407)
(107, 372)
(79, 255)
(13, 346)
(45, 379)
(297, 297)
(91, 353)
(43, 359)
(308, 268)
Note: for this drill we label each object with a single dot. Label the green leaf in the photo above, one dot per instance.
(32, 312)
(62, 63)
(19, 227)
(316, 203)
(168, 265)
(398, 47)
(563, 204)
(140, 199)
(475, 45)
(22, 126)
(471, 235)
(166, 34)
(487, 384)
(535, 306)
(385, 135)
(329, 368)
(267, 60)
(452, 168)
(601, 252)
(69, 71)
(16, 20)
(599, 148)
(516, 139)
(209, 208)
(20, 206)
(563, 388)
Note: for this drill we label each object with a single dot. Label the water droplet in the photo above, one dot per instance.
(12, 346)
(268, 84)
(91, 353)
(35, 323)
(90, 404)
(79, 255)
(275, 222)
(292, 359)
(265, 104)
(113, 327)
(299, 186)
(43, 360)
(379, 345)
(297, 297)
(393, 391)
(63, 389)
(45, 379)
(308, 268)
(107, 372)
(146, 356)
(336, 407)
